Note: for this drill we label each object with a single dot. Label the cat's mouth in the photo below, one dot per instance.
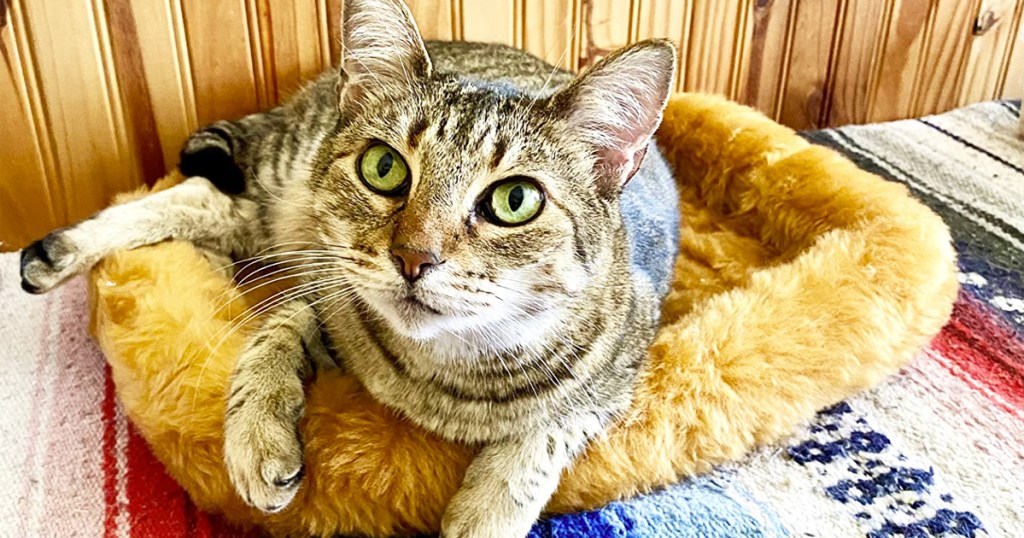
(413, 304)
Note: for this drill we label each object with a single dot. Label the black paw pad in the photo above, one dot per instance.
(32, 253)
(216, 164)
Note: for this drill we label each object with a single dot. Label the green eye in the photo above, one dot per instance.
(513, 202)
(383, 170)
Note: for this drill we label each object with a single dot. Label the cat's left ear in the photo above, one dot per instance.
(616, 106)
(382, 52)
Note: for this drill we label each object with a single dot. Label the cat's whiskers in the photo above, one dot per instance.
(296, 292)
(309, 305)
(244, 287)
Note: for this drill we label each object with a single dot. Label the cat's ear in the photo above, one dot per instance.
(616, 106)
(382, 53)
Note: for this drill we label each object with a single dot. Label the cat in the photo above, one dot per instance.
(482, 239)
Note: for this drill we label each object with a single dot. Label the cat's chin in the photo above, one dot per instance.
(409, 317)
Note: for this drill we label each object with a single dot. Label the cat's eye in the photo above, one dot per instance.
(383, 170)
(513, 202)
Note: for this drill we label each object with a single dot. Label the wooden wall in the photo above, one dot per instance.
(96, 96)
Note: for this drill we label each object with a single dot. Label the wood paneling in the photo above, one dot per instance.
(100, 94)
(947, 40)
(551, 30)
(994, 29)
(29, 207)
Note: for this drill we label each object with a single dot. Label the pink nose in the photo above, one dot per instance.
(413, 263)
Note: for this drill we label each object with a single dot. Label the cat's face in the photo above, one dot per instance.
(466, 210)
(458, 207)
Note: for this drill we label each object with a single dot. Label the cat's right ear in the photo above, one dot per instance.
(382, 53)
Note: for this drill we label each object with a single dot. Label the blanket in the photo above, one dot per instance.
(937, 450)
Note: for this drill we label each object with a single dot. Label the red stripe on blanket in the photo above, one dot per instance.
(108, 413)
(986, 351)
(157, 505)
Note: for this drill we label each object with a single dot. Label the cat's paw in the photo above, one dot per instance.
(475, 514)
(47, 262)
(263, 454)
(207, 153)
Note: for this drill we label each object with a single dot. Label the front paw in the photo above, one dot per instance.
(478, 514)
(263, 455)
(47, 262)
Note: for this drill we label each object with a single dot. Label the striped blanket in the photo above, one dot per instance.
(937, 450)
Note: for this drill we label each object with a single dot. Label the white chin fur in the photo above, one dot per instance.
(456, 337)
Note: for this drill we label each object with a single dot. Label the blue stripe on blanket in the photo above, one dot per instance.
(705, 507)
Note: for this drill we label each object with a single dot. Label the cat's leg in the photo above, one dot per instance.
(509, 483)
(194, 210)
(262, 448)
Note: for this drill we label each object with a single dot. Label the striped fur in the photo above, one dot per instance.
(525, 340)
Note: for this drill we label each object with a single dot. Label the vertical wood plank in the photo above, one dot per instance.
(770, 46)
(863, 32)
(551, 30)
(434, 18)
(83, 108)
(808, 65)
(944, 56)
(332, 16)
(130, 71)
(668, 19)
(607, 25)
(289, 53)
(990, 49)
(488, 21)
(163, 51)
(901, 60)
(719, 41)
(1013, 84)
(222, 71)
(28, 203)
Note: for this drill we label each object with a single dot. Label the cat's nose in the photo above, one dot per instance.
(413, 262)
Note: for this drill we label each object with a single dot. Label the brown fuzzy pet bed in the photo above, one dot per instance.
(800, 280)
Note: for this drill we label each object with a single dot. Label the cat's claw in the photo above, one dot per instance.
(264, 463)
(47, 262)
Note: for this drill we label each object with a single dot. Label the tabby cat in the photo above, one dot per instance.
(479, 239)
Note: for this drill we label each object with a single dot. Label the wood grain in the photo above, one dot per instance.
(944, 56)
(669, 19)
(808, 66)
(1013, 84)
(607, 25)
(719, 38)
(491, 21)
(434, 18)
(130, 72)
(552, 30)
(29, 204)
(168, 74)
(84, 113)
(990, 48)
(901, 61)
(863, 31)
(771, 43)
(290, 57)
(221, 58)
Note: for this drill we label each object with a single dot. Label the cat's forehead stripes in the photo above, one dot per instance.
(498, 153)
(416, 130)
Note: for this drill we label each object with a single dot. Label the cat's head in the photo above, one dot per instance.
(463, 207)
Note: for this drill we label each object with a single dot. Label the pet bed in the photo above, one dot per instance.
(801, 280)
